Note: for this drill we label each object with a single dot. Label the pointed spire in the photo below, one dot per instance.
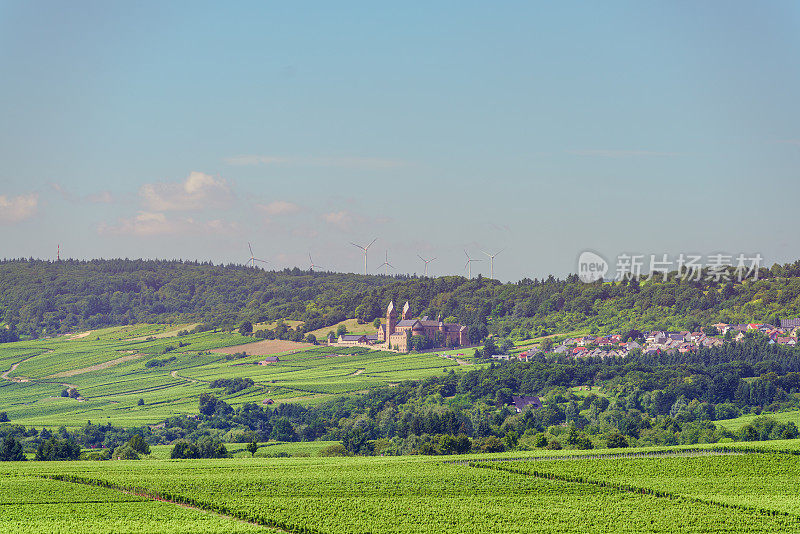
(390, 309)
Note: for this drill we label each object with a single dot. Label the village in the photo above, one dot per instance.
(659, 341)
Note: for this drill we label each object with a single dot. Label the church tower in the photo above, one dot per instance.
(406, 311)
(391, 320)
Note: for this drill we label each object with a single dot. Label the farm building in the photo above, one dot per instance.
(522, 402)
(352, 339)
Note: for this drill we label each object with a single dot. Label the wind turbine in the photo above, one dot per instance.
(385, 263)
(252, 261)
(365, 249)
(426, 263)
(311, 267)
(468, 265)
(491, 261)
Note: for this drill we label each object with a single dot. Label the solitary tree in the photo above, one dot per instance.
(11, 450)
(252, 447)
(246, 329)
(138, 444)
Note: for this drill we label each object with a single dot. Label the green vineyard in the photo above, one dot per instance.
(720, 490)
(111, 369)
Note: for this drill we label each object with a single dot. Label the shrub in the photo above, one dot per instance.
(138, 444)
(155, 362)
(205, 448)
(232, 385)
(58, 449)
(184, 449)
(125, 452)
(101, 455)
(336, 449)
(616, 440)
(11, 450)
(490, 444)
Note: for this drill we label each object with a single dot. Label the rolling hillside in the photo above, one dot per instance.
(39, 298)
(112, 368)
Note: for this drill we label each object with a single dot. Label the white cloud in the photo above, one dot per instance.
(342, 219)
(342, 162)
(147, 223)
(279, 207)
(620, 153)
(198, 191)
(19, 208)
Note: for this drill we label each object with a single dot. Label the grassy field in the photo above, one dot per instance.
(113, 368)
(536, 492)
(352, 327)
(288, 322)
(739, 422)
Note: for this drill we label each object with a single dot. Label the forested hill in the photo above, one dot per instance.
(42, 297)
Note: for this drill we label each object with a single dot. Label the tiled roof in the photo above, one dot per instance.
(521, 402)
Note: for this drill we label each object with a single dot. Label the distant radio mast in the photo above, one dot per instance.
(58, 253)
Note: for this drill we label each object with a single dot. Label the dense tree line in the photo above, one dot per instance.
(41, 297)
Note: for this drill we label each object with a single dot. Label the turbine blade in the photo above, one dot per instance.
(371, 242)
(359, 246)
(251, 248)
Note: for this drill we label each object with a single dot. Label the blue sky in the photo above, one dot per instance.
(184, 130)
